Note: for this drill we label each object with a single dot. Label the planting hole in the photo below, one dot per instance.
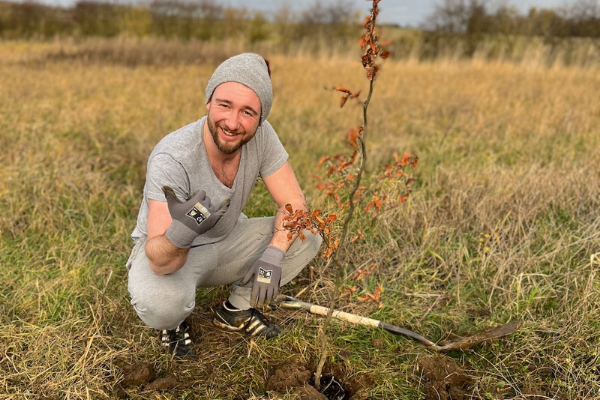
(331, 388)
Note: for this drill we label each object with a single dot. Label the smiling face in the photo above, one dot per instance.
(233, 116)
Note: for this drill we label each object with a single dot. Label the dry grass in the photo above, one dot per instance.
(501, 226)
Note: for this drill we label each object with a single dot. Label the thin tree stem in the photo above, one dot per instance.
(339, 267)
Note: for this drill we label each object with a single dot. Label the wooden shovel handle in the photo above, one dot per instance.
(293, 303)
(461, 344)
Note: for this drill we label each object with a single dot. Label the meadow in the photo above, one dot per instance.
(503, 224)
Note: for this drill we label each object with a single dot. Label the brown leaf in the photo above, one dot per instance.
(343, 89)
(362, 42)
(406, 158)
(367, 20)
(366, 60)
(344, 99)
(352, 137)
(322, 160)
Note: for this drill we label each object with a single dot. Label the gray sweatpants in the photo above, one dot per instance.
(164, 301)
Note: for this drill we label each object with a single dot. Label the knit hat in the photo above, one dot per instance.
(250, 70)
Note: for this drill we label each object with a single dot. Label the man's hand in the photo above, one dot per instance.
(267, 276)
(191, 218)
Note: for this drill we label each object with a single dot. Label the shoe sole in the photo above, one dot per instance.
(246, 328)
(226, 326)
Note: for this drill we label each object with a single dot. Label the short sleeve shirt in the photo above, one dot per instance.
(180, 161)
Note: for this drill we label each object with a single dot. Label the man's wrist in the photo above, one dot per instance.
(180, 235)
(273, 255)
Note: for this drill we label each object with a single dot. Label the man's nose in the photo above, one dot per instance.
(232, 121)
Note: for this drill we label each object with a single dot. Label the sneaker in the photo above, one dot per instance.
(249, 321)
(177, 341)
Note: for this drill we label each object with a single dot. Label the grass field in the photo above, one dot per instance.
(503, 223)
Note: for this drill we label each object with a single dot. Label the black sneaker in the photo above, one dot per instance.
(249, 321)
(177, 341)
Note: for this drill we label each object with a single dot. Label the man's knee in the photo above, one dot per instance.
(312, 243)
(163, 309)
(305, 249)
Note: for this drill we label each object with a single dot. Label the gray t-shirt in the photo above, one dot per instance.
(180, 161)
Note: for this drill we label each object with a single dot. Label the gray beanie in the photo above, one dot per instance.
(250, 70)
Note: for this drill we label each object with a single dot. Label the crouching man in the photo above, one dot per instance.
(190, 229)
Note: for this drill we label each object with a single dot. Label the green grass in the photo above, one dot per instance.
(500, 227)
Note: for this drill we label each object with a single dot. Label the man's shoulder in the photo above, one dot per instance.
(265, 134)
(180, 142)
(266, 126)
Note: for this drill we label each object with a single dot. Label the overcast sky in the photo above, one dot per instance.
(403, 12)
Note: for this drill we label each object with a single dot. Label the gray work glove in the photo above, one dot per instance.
(191, 218)
(267, 276)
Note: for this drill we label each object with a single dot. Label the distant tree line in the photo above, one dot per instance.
(211, 19)
(492, 29)
(480, 17)
(186, 19)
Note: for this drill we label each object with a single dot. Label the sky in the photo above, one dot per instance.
(402, 12)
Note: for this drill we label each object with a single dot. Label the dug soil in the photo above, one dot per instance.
(297, 380)
(287, 379)
(142, 375)
(445, 380)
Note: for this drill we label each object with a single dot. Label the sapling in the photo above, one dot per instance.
(345, 183)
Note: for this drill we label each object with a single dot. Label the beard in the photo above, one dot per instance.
(224, 147)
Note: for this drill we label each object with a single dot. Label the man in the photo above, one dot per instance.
(191, 231)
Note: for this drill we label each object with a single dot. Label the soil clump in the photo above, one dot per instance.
(137, 374)
(163, 384)
(295, 379)
(445, 380)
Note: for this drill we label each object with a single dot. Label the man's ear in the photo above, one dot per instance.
(208, 105)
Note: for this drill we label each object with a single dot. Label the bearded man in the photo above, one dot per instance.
(191, 232)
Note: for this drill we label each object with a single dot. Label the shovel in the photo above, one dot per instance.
(292, 303)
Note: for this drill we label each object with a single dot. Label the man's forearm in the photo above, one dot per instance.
(281, 238)
(164, 257)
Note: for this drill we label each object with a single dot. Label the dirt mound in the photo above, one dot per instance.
(445, 379)
(288, 376)
(142, 375)
(308, 392)
(163, 384)
(137, 374)
(294, 378)
(358, 386)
